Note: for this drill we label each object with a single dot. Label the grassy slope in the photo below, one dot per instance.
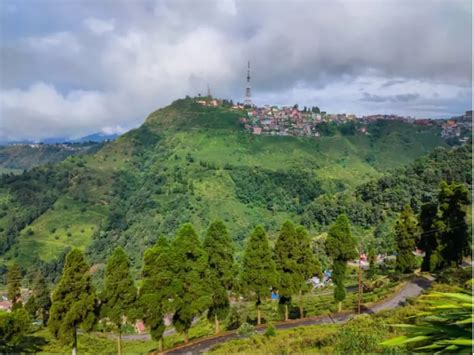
(210, 135)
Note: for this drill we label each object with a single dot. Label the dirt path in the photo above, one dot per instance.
(411, 289)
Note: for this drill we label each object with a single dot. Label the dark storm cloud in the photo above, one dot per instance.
(112, 62)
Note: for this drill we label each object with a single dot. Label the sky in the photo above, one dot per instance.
(69, 68)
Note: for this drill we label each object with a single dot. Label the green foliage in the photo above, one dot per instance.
(341, 247)
(361, 335)
(157, 287)
(246, 329)
(406, 233)
(429, 240)
(219, 248)
(42, 297)
(74, 300)
(270, 331)
(258, 272)
(118, 300)
(192, 292)
(372, 258)
(445, 327)
(455, 235)
(13, 327)
(286, 260)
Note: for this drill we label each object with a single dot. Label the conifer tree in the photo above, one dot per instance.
(118, 300)
(219, 248)
(286, 260)
(406, 232)
(74, 301)
(190, 271)
(41, 297)
(157, 288)
(258, 268)
(341, 247)
(308, 264)
(429, 240)
(13, 285)
(455, 236)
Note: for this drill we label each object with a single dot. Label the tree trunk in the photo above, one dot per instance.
(259, 320)
(339, 306)
(74, 344)
(119, 342)
(301, 305)
(160, 345)
(286, 312)
(186, 336)
(216, 324)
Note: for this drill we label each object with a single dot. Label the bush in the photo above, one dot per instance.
(361, 335)
(270, 331)
(246, 329)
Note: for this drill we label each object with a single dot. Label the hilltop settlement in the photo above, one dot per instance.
(312, 122)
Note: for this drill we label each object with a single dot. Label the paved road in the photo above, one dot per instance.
(411, 289)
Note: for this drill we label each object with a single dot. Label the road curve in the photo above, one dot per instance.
(412, 288)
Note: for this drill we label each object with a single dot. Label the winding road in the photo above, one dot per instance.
(412, 288)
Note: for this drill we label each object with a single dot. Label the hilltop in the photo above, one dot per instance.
(191, 163)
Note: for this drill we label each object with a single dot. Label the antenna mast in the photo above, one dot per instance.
(248, 91)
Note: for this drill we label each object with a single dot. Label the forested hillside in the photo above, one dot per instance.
(19, 157)
(190, 163)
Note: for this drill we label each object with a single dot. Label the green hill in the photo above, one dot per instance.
(190, 163)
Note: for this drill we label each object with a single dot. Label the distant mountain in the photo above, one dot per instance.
(24, 156)
(97, 137)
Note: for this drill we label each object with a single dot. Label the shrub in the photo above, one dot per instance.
(361, 335)
(246, 329)
(270, 331)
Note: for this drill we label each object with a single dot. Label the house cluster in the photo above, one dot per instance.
(284, 121)
(458, 127)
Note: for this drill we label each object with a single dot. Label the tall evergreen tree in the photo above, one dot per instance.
(42, 297)
(406, 233)
(190, 270)
(118, 300)
(258, 268)
(429, 240)
(308, 264)
(14, 285)
(219, 248)
(286, 260)
(74, 301)
(372, 258)
(157, 288)
(341, 247)
(455, 237)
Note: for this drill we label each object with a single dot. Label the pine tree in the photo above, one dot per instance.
(455, 237)
(219, 248)
(118, 300)
(258, 268)
(74, 301)
(406, 232)
(429, 240)
(286, 260)
(341, 247)
(157, 288)
(308, 264)
(42, 297)
(190, 271)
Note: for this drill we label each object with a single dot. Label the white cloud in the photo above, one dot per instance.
(118, 63)
(99, 26)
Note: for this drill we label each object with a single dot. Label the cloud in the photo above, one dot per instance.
(110, 65)
(99, 26)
